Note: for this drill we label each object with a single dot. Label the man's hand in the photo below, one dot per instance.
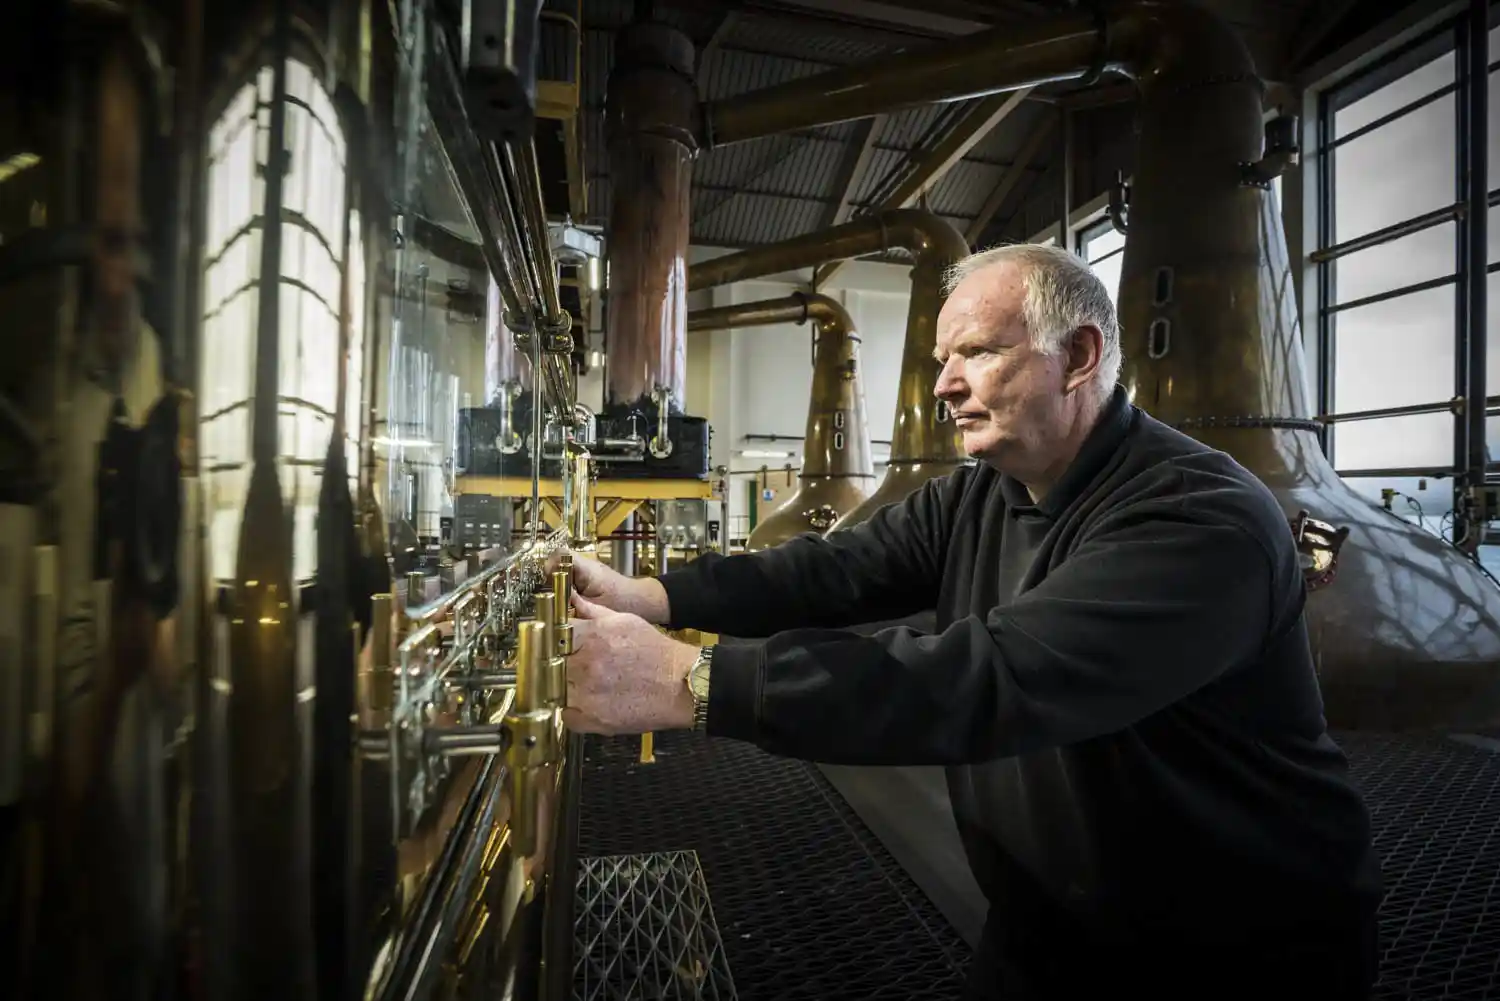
(624, 676)
(642, 596)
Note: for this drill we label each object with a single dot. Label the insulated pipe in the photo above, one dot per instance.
(837, 471)
(924, 442)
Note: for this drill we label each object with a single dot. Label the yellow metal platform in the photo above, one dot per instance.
(614, 500)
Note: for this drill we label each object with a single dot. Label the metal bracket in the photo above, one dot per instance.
(499, 56)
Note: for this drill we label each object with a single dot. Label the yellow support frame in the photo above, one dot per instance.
(615, 500)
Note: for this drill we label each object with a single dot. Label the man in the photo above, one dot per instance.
(1120, 682)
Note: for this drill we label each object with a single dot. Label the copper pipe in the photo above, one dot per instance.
(837, 470)
(987, 62)
(1163, 45)
(923, 442)
(650, 113)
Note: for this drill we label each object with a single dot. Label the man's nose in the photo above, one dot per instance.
(949, 384)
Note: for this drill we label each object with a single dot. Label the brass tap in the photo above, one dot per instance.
(416, 590)
(380, 693)
(546, 614)
(562, 594)
(534, 737)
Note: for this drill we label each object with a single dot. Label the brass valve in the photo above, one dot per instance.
(380, 692)
(534, 733)
(562, 600)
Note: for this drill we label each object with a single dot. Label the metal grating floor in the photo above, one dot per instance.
(811, 906)
(808, 902)
(646, 931)
(1436, 807)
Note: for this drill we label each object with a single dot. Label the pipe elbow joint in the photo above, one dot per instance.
(826, 313)
(1171, 45)
(931, 239)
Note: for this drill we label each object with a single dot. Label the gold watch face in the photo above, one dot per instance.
(698, 678)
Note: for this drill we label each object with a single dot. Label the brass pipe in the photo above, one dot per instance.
(545, 609)
(988, 62)
(562, 594)
(1163, 45)
(578, 500)
(924, 443)
(837, 469)
(532, 725)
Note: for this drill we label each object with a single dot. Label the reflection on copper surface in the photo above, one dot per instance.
(650, 113)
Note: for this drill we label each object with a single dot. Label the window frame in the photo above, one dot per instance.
(1448, 35)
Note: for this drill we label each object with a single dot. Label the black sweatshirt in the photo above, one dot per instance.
(1120, 682)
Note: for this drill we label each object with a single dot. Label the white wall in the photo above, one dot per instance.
(756, 381)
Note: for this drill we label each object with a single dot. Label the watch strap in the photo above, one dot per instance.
(698, 684)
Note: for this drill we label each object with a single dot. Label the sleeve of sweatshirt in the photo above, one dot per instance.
(886, 568)
(1159, 601)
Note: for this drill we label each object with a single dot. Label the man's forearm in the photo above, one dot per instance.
(650, 601)
(1079, 656)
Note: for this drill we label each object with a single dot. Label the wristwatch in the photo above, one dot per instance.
(697, 683)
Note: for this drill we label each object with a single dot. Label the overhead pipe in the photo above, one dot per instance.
(650, 114)
(837, 469)
(924, 442)
(1405, 628)
(501, 180)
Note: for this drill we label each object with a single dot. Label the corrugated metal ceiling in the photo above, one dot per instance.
(782, 186)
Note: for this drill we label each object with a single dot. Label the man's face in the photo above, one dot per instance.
(1009, 400)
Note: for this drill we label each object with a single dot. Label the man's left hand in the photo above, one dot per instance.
(624, 675)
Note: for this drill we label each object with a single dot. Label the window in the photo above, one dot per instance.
(1389, 318)
(1104, 248)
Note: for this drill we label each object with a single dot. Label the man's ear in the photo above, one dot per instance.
(1084, 352)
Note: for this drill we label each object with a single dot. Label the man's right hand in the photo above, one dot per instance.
(643, 596)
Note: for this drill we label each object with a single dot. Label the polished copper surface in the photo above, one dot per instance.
(649, 115)
(837, 470)
(924, 443)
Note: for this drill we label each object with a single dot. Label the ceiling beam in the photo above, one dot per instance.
(775, 155)
(937, 161)
(716, 38)
(1316, 28)
(852, 168)
(1018, 169)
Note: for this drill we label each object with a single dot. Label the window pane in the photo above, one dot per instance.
(1419, 441)
(1394, 353)
(1395, 95)
(1105, 241)
(1494, 118)
(1108, 271)
(1492, 362)
(1378, 181)
(1432, 253)
(1420, 500)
